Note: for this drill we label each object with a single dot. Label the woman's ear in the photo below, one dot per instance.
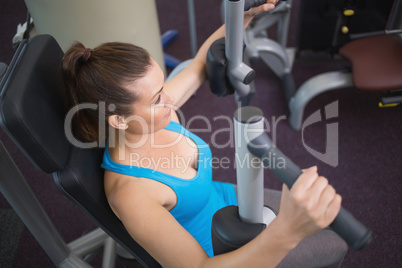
(117, 122)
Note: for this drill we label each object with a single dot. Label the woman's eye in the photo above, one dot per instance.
(158, 99)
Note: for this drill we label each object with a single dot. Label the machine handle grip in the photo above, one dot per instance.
(355, 234)
(253, 3)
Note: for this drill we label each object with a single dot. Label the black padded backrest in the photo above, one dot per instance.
(32, 103)
(32, 113)
(82, 182)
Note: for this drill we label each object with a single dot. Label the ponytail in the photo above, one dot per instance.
(99, 75)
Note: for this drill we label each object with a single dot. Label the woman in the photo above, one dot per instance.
(154, 181)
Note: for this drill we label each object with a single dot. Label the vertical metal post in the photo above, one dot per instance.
(234, 22)
(193, 28)
(249, 170)
(283, 24)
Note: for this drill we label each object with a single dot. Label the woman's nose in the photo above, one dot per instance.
(170, 98)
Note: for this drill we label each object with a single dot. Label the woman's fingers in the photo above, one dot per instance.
(311, 205)
(316, 190)
(332, 209)
(316, 196)
(269, 5)
(304, 182)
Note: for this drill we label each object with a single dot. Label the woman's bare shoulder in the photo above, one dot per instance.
(124, 190)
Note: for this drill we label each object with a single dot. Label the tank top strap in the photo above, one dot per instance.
(176, 127)
(144, 172)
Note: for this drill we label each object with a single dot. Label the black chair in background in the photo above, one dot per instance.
(32, 114)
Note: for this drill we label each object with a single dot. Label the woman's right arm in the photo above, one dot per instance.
(308, 207)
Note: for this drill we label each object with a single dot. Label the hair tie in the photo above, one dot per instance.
(87, 54)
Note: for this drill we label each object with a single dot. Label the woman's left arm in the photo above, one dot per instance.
(185, 83)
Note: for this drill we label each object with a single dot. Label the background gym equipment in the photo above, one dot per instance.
(229, 225)
(167, 37)
(376, 65)
(273, 52)
(327, 25)
(330, 26)
(257, 45)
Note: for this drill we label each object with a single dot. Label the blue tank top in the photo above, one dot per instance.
(197, 199)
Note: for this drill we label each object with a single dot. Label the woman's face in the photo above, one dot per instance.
(152, 111)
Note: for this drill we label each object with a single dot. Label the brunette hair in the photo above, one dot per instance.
(99, 75)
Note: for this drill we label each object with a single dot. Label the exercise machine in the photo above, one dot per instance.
(256, 45)
(375, 49)
(376, 66)
(234, 226)
(274, 53)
